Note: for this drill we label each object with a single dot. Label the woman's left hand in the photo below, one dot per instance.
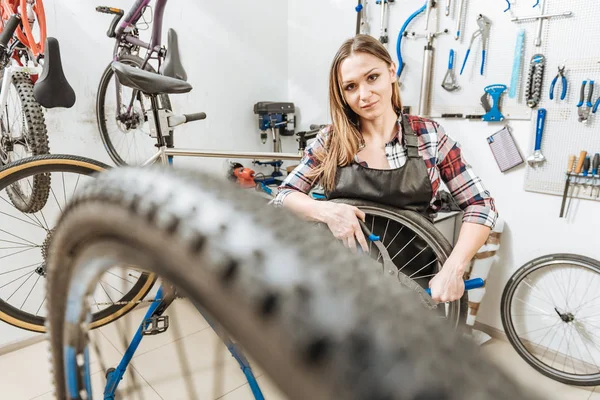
(448, 284)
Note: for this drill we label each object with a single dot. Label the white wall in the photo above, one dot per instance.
(235, 55)
(532, 227)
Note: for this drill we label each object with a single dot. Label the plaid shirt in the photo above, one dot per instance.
(444, 161)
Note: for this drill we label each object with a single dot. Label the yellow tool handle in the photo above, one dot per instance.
(571, 164)
(582, 156)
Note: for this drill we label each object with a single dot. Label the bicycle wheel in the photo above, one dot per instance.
(321, 322)
(550, 315)
(24, 135)
(126, 136)
(25, 237)
(415, 245)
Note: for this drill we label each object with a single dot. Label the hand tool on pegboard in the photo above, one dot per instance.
(584, 108)
(461, 4)
(493, 113)
(402, 34)
(484, 24)
(449, 82)
(560, 74)
(570, 169)
(596, 106)
(537, 157)
(586, 172)
(595, 166)
(517, 61)
(383, 34)
(540, 19)
(577, 173)
(448, 6)
(533, 89)
(362, 23)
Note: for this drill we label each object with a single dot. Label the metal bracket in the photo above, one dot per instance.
(163, 120)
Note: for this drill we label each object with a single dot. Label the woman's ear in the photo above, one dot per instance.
(392, 71)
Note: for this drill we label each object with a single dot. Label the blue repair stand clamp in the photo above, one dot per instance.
(494, 114)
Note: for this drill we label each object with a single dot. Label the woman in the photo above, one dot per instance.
(374, 152)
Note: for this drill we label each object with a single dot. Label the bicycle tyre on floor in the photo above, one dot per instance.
(320, 321)
(49, 164)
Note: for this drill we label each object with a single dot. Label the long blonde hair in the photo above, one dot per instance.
(344, 138)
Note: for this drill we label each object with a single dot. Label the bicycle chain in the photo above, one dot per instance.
(533, 90)
(122, 303)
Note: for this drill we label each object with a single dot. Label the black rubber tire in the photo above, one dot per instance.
(165, 103)
(426, 230)
(37, 139)
(511, 333)
(319, 320)
(63, 163)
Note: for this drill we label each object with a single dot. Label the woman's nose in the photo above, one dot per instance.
(364, 92)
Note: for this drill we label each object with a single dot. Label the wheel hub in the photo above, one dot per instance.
(566, 317)
(128, 122)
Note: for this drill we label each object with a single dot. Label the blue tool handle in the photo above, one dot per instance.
(564, 88)
(465, 62)
(539, 130)
(482, 62)
(581, 93)
(552, 87)
(401, 35)
(451, 59)
(588, 103)
(595, 164)
(596, 106)
(474, 283)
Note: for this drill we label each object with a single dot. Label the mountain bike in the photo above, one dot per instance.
(25, 91)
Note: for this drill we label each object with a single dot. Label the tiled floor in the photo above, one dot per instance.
(214, 374)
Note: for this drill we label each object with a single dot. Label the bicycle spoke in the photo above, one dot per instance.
(558, 348)
(18, 269)
(33, 287)
(588, 350)
(18, 252)
(56, 200)
(20, 286)
(535, 308)
(427, 265)
(102, 286)
(418, 254)
(532, 287)
(120, 277)
(27, 215)
(64, 188)
(76, 183)
(43, 301)
(18, 237)
(402, 249)
(549, 343)
(22, 220)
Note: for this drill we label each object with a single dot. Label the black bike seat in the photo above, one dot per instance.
(148, 82)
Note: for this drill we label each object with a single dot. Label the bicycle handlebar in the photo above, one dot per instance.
(9, 29)
(194, 117)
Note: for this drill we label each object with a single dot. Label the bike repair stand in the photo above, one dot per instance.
(155, 323)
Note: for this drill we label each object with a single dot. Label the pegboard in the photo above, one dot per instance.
(499, 57)
(569, 41)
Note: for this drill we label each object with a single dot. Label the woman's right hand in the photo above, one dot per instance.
(342, 220)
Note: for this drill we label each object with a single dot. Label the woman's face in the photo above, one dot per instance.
(367, 84)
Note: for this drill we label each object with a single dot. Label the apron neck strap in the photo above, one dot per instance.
(410, 139)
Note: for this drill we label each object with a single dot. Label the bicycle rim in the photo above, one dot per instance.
(24, 247)
(550, 314)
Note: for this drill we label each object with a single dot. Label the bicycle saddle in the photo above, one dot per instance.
(52, 88)
(148, 82)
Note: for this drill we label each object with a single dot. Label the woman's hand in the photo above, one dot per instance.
(448, 284)
(342, 220)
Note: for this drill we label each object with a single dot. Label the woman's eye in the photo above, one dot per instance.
(350, 86)
(373, 77)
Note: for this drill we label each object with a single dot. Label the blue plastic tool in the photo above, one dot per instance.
(494, 114)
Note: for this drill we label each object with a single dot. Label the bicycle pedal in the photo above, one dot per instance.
(155, 325)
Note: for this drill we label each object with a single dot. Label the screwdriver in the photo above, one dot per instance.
(595, 165)
(586, 169)
(570, 167)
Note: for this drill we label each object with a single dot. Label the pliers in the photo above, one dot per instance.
(560, 74)
(484, 24)
(584, 111)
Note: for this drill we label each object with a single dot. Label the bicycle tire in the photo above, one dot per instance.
(165, 102)
(37, 141)
(509, 291)
(63, 163)
(426, 230)
(318, 319)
